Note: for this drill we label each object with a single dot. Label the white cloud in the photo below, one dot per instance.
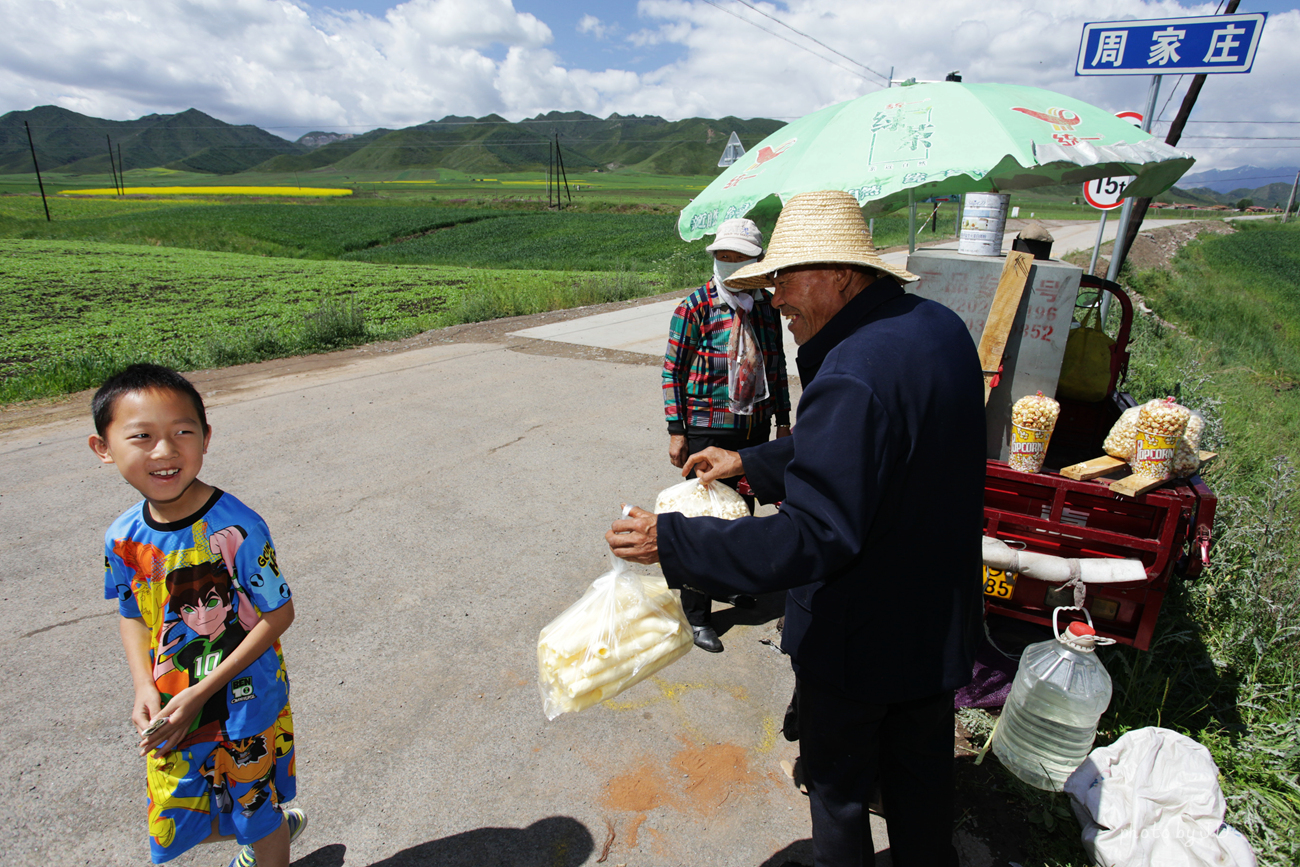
(281, 64)
(594, 26)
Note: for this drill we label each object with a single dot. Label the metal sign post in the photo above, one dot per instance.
(1117, 253)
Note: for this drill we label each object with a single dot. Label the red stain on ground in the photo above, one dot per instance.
(714, 774)
(637, 791)
(632, 831)
(698, 780)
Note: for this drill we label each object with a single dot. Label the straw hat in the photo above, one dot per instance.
(825, 227)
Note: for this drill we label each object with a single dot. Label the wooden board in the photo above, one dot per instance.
(1092, 469)
(1133, 486)
(1006, 302)
(1106, 464)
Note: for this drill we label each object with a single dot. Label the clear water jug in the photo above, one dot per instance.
(1050, 719)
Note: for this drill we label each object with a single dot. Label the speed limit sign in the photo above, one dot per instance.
(1106, 193)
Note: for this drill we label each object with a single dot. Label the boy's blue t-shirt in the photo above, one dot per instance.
(201, 584)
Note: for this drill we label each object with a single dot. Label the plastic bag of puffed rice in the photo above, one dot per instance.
(1123, 435)
(695, 500)
(625, 628)
(1187, 458)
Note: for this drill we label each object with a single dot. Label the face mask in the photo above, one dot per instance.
(722, 271)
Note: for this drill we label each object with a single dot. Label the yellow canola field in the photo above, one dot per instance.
(214, 191)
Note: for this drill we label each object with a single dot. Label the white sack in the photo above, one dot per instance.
(1153, 798)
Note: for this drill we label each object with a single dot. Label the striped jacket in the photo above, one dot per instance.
(695, 365)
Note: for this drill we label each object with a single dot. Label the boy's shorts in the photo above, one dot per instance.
(240, 783)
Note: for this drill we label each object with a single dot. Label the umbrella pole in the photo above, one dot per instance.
(911, 221)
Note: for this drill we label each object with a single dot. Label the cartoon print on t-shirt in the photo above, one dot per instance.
(208, 614)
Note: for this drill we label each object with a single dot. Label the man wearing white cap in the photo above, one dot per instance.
(724, 379)
(877, 538)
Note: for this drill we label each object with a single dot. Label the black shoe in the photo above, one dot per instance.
(707, 639)
(741, 600)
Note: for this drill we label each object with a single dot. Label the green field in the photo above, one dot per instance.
(76, 309)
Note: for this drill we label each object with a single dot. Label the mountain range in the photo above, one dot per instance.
(1239, 179)
(74, 143)
(192, 141)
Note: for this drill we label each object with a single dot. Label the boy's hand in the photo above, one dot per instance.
(147, 705)
(180, 712)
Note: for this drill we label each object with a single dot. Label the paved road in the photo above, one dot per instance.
(432, 510)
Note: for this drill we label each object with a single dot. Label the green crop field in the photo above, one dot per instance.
(74, 310)
(313, 230)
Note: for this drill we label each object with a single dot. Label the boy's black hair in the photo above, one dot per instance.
(141, 377)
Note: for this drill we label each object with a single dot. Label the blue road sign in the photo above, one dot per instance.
(1214, 43)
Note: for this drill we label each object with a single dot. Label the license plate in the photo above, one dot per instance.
(999, 584)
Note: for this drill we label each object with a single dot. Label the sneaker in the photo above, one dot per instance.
(297, 820)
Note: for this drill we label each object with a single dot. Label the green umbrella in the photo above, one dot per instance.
(935, 140)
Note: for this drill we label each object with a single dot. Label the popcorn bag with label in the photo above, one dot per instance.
(1121, 442)
(625, 628)
(1033, 418)
(1160, 426)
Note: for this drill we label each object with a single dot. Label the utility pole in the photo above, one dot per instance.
(559, 158)
(1286, 215)
(39, 182)
(121, 178)
(112, 167)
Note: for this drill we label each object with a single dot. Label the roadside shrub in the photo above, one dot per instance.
(333, 324)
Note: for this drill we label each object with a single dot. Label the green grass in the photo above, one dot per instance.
(75, 310)
(296, 230)
(1224, 665)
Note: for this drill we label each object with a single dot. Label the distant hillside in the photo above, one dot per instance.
(1229, 181)
(492, 144)
(191, 140)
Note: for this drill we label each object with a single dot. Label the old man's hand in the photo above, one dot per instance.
(714, 463)
(635, 537)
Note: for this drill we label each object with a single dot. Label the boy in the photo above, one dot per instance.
(202, 607)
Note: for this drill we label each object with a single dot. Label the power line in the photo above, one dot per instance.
(1248, 137)
(814, 39)
(791, 41)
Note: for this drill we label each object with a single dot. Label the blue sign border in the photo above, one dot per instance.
(1197, 44)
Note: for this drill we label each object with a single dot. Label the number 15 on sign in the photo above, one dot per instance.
(1106, 193)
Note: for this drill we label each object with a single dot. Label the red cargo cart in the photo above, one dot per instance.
(1168, 529)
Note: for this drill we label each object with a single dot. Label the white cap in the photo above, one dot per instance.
(739, 235)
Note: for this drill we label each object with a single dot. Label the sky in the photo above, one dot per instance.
(291, 66)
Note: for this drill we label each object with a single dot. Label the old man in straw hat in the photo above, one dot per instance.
(877, 538)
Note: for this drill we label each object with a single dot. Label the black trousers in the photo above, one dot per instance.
(699, 606)
(845, 744)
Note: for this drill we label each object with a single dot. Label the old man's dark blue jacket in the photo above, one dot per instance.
(878, 534)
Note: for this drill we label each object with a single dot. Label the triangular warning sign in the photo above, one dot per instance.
(732, 152)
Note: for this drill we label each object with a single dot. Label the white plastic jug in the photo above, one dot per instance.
(1050, 719)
